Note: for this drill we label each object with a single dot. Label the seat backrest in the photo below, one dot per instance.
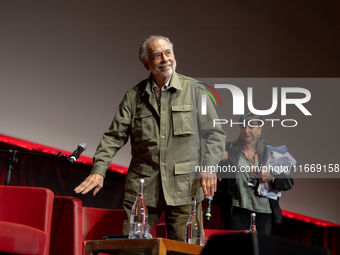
(102, 222)
(66, 232)
(73, 223)
(30, 206)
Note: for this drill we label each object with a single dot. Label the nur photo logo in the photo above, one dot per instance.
(238, 99)
(204, 97)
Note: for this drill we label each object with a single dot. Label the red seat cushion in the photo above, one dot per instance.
(210, 232)
(21, 239)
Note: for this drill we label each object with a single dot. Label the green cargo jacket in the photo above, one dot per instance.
(165, 140)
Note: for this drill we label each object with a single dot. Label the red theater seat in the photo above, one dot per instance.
(25, 219)
(73, 224)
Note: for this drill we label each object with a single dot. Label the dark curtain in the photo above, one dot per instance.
(57, 174)
(325, 236)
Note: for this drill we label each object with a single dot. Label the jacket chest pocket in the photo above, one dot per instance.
(143, 125)
(181, 117)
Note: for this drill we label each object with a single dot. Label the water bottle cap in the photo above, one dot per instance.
(141, 180)
(253, 214)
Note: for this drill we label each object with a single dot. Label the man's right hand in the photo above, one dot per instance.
(92, 181)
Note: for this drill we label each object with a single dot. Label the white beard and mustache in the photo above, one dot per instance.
(169, 72)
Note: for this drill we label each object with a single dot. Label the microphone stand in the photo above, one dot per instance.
(12, 158)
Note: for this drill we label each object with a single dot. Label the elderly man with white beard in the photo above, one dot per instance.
(162, 117)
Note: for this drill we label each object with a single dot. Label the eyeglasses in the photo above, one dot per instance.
(158, 55)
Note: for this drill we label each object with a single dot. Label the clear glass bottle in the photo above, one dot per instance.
(193, 232)
(252, 227)
(139, 215)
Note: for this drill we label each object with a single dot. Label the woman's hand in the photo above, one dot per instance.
(224, 156)
(265, 175)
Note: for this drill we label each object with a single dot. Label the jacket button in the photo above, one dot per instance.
(162, 164)
(141, 115)
(163, 137)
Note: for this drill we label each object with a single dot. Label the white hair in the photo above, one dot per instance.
(142, 46)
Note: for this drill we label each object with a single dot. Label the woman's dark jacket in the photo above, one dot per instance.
(228, 186)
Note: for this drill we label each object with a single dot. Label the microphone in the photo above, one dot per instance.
(207, 211)
(75, 154)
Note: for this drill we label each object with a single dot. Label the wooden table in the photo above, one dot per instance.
(155, 246)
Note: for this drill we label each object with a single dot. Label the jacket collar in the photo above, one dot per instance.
(174, 83)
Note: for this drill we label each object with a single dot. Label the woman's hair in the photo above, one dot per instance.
(260, 140)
